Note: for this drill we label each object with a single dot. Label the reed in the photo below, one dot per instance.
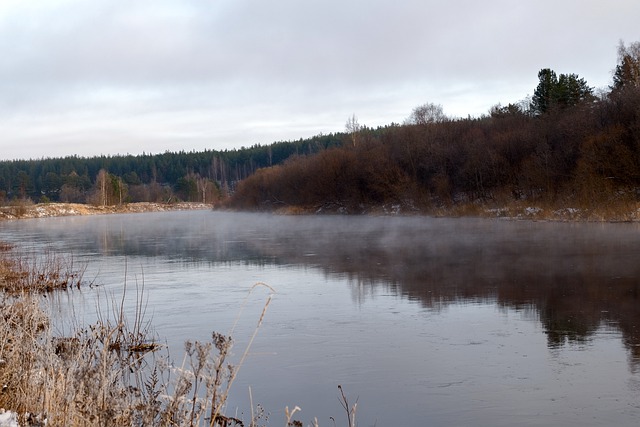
(21, 274)
(111, 372)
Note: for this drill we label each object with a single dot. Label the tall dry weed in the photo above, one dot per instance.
(21, 273)
(109, 373)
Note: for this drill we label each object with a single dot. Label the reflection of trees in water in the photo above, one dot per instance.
(578, 277)
(578, 282)
(365, 288)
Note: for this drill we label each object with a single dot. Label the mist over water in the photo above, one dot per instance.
(426, 321)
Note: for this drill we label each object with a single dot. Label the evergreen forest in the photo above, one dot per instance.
(172, 176)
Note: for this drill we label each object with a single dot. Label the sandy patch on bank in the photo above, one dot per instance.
(70, 209)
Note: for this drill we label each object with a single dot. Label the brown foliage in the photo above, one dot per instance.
(104, 373)
(590, 152)
(343, 177)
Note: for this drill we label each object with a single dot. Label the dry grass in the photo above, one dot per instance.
(109, 373)
(49, 272)
(102, 375)
(92, 377)
(541, 210)
(26, 209)
(16, 208)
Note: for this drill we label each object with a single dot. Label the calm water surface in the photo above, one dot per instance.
(427, 322)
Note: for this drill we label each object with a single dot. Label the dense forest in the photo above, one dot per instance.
(565, 143)
(187, 176)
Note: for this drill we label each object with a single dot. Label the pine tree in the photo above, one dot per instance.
(561, 91)
(543, 96)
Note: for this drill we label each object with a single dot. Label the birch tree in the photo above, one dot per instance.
(353, 127)
(102, 186)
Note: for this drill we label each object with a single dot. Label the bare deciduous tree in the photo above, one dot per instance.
(426, 114)
(627, 72)
(101, 186)
(353, 127)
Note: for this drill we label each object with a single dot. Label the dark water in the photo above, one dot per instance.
(427, 322)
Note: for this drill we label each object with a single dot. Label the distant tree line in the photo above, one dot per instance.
(563, 144)
(187, 176)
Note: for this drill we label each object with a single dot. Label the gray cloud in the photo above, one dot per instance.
(113, 76)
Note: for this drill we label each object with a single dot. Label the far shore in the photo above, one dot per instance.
(617, 211)
(46, 210)
(516, 210)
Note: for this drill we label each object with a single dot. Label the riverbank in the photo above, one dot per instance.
(112, 372)
(46, 210)
(617, 211)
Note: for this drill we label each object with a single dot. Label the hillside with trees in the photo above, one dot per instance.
(183, 176)
(565, 146)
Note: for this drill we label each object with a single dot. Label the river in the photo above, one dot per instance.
(423, 321)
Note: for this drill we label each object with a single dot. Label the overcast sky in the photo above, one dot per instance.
(91, 77)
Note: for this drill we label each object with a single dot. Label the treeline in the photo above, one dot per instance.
(187, 176)
(563, 144)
